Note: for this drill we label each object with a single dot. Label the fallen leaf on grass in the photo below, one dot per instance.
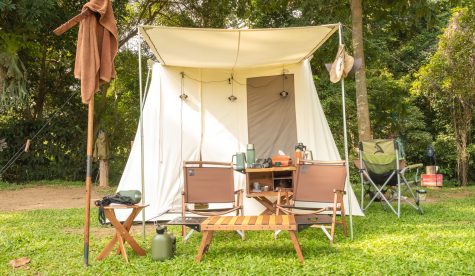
(21, 262)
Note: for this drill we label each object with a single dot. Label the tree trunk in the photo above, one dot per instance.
(462, 126)
(364, 127)
(40, 98)
(103, 173)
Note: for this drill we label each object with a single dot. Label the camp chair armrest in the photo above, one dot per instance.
(321, 162)
(340, 191)
(288, 209)
(411, 167)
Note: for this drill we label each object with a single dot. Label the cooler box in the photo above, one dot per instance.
(431, 180)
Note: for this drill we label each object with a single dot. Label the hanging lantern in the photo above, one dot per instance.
(232, 98)
(283, 93)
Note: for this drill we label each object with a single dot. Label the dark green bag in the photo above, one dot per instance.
(129, 197)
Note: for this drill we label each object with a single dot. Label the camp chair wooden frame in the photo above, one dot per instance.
(399, 172)
(319, 182)
(210, 182)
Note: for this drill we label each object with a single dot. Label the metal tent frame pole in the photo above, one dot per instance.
(345, 136)
(141, 133)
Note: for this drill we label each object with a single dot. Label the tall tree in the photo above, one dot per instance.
(448, 80)
(364, 126)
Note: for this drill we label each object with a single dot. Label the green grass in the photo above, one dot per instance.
(442, 242)
(53, 183)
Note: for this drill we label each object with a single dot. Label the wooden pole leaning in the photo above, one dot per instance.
(72, 22)
(87, 213)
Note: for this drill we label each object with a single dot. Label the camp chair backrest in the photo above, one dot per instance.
(206, 183)
(379, 155)
(317, 181)
(379, 146)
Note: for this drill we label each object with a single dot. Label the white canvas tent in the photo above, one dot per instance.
(208, 65)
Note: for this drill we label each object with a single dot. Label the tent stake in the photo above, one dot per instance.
(90, 125)
(340, 36)
(141, 134)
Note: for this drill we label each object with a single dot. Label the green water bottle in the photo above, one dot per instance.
(134, 195)
(162, 245)
(250, 155)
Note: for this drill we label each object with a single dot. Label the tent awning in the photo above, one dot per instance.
(234, 48)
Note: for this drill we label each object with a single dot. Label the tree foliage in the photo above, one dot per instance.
(448, 80)
(36, 66)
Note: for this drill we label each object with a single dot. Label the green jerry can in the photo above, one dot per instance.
(134, 195)
(163, 245)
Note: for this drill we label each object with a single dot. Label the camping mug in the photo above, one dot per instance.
(250, 155)
(240, 163)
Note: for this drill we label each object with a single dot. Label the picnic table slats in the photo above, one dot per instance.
(272, 220)
(239, 220)
(285, 220)
(226, 220)
(213, 220)
(220, 220)
(265, 220)
(292, 220)
(249, 223)
(262, 222)
(259, 220)
(246, 220)
(233, 220)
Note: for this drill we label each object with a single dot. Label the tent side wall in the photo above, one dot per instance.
(207, 124)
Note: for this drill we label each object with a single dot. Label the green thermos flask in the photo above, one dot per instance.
(163, 245)
(134, 195)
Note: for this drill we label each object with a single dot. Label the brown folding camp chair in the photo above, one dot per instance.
(209, 182)
(320, 182)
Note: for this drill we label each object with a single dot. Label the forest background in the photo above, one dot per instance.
(410, 92)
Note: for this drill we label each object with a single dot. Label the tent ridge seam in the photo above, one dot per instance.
(330, 33)
(153, 44)
(238, 49)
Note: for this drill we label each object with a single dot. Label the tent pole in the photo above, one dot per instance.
(141, 134)
(90, 125)
(340, 36)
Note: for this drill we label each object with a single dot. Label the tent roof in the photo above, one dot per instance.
(234, 48)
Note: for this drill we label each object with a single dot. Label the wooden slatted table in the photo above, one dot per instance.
(248, 223)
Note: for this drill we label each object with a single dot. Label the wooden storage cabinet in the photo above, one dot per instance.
(275, 177)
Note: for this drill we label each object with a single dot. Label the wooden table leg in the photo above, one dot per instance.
(123, 232)
(108, 248)
(269, 205)
(295, 241)
(128, 223)
(206, 238)
(122, 248)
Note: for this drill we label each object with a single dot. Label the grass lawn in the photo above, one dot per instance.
(442, 241)
(5, 186)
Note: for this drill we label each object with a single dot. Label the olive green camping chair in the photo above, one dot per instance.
(383, 176)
